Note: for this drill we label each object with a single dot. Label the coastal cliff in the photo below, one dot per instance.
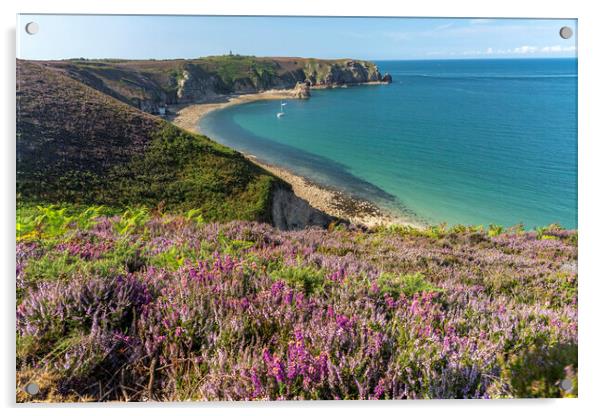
(290, 212)
(152, 85)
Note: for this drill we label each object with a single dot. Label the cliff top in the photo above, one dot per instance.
(147, 84)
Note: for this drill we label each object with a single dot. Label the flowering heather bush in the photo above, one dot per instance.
(173, 309)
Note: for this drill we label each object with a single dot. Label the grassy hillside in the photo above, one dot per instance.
(138, 306)
(78, 145)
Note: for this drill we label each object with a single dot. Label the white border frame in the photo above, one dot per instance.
(590, 207)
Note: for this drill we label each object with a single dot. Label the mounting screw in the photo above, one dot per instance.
(32, 389)
(32, 28)
(566, 32)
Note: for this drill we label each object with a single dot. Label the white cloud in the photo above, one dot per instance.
(522, 50)
(558, 48)
(525, 49)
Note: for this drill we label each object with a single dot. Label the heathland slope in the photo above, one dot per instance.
(152, 84)
(166, 308)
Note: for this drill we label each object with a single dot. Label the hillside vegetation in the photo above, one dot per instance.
(78, 145)
(137, 306)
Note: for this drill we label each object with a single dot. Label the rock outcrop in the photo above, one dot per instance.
(325, 73)
(301, 90)
(289, 212)
(195, 84)
(387, 78)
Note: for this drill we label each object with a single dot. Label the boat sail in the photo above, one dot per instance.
(281, 113)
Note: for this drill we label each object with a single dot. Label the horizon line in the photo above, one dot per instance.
(489, 58)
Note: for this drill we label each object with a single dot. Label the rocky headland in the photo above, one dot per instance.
(153, 85)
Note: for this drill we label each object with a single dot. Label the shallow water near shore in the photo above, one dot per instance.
(472, 141)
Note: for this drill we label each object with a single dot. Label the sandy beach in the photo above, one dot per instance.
(188, 116)
(329, 200)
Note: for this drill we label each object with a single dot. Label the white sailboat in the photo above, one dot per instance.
(281, 113)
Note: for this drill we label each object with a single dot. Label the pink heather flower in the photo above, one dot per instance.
(277, 370)
(277, 288)
(342, 321)
(414, 308)
(446, 344)
(289, 297)
(299, 298)
(292, 370)
(267, 358)
(337, 276)
(390, 301)
(258, 388)
(379, 390)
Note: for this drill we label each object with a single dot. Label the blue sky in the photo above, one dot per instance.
(167, 37)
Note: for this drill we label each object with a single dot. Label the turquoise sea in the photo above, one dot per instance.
(458, 141)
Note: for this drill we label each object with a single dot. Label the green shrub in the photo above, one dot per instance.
(408, 284)
(537, 372)
(52, 267)
(545, 233)
(304, 278)
(495, 230)
(131, 219)
(54, 221)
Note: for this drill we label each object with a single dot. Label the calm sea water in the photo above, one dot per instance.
(467, 141)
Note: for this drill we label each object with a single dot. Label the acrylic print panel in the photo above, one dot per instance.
(283, 208)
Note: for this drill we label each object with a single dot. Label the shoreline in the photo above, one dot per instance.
(329, 200)
(334, 202)
(188, 116)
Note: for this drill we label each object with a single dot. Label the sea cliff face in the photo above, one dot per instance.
(152, 85)
(327, 73)
(289, 212)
